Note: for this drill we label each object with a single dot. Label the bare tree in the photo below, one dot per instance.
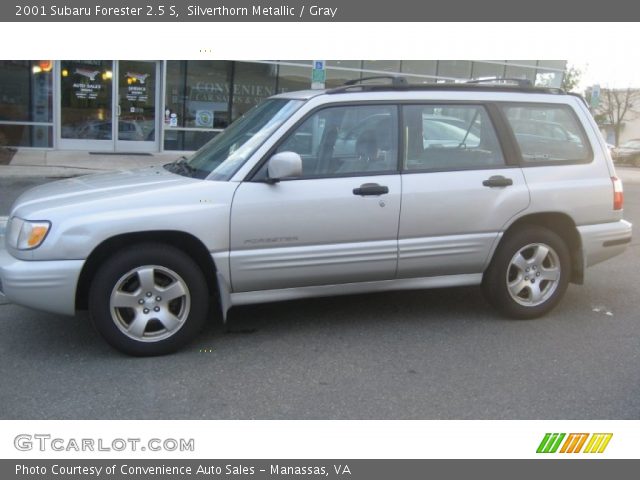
(617, 106)
(571, 79)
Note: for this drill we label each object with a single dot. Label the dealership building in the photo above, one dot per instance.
(140, 106)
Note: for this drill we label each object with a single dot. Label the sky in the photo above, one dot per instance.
(615, 72)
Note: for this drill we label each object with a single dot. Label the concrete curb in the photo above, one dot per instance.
(67, 163)
(44, 171)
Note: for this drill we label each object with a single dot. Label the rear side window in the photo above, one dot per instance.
(449, 137)
(548, 134)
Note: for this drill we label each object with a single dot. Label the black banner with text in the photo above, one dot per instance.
(331, 469)
(312, 11)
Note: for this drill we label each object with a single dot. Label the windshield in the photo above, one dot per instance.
(227, 151)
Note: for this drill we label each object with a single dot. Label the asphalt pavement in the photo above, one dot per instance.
(439, 354)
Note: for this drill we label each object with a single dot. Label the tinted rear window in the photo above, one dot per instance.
(548, 133)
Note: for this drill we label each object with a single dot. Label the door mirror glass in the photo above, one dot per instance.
(284, 165)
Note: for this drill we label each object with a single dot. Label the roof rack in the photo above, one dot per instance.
(521, 82)
(400, 83)
(396, 81)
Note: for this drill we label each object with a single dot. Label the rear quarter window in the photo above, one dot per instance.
(548, 134)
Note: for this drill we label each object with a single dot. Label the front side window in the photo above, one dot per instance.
(449, 137)
(346, 140)
(547, 133)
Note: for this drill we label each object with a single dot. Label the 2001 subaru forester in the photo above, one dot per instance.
(361, 188)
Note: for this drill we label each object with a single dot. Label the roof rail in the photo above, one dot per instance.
(396, 81)
(521, 82)
(487, 87)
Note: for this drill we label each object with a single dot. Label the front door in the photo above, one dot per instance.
(109, 105)
(338, 223)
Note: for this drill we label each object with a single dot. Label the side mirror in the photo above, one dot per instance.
(284, 165)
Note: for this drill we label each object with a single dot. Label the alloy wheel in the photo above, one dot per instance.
(533, 274)
(150, 303)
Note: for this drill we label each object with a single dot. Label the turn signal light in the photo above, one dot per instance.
(618, 194)
(36, 236)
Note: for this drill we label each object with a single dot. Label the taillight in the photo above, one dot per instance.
(618, 195)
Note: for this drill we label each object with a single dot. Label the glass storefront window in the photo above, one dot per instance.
(136, 100)
(202, 97)
(560, 65)
(292, 78)
(197, 94)
(252, 83)
(454, 69)
(392, 66)
(26, 136)
(26, 94)
(525, 69)
(86, 101)
(488, 70)
(428, 68)
(336, 76)
(187, 140)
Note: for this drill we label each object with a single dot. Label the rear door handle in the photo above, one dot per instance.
(370, 189)
(497, 181)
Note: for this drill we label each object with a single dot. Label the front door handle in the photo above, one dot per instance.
(370, 189)
(497, 181)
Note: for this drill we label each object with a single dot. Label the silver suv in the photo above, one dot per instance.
(363, 188)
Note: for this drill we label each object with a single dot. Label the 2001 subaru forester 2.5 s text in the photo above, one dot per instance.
(357, 189)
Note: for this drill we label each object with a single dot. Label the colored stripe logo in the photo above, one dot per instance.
(574, 442)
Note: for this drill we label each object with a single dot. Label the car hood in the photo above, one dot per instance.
(97, 187)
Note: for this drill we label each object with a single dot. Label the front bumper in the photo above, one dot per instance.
(604, 240)
(44, 285)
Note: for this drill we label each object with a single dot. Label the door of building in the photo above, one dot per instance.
(109, 106)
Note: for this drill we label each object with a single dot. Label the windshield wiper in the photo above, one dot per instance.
(180, 165)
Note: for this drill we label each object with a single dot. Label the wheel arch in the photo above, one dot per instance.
(186, 242)
(561, 224)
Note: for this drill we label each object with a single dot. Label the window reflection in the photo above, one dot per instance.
(86, 97)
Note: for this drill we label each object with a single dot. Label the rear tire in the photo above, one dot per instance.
(528, 274)
(148, 299)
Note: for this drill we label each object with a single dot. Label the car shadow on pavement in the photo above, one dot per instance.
(402, 308)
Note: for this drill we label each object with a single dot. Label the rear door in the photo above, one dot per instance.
(460, 188)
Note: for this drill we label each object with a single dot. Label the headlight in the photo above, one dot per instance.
(26, 235)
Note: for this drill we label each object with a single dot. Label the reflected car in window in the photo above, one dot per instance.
(438, 133)
(628, 152)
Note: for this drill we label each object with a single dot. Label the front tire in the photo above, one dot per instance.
(529, 273)
(148, 299)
